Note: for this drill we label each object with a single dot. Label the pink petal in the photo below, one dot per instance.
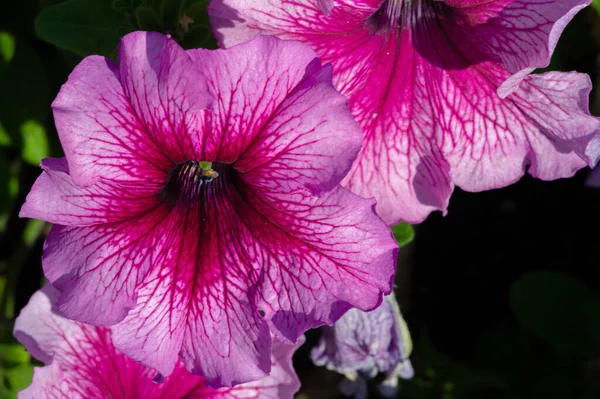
(273, 111)
(83, 363)
(199, 305)
(525, 34)
(55, 198)
(426, 97)
(167, 95)
(282, 383)
(109, 131)
(321, 255)
(97, 268)
(325, 6)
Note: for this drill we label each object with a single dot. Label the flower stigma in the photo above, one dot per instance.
(188, 180)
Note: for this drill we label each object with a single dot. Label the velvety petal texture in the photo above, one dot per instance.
(199, 207)
(363, 344)
(82, 363)
(441, 89)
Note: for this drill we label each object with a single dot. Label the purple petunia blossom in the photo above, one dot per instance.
(361, 345)
(82, 363)
(198, 206)
(441, 89)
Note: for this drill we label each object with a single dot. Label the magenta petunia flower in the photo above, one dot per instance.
(362, 345)
(441, 90)
(199, 205)
(82, 363)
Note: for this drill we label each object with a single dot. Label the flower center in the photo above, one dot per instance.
(395, 14)
(393, 10)
(189, 180)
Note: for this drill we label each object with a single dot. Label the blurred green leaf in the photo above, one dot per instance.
(7, 46)
(19, 378)
(596, 5)
(25, 92)
(171, 11)
(404, 233)
(13, 354)
(2, 285)
(550, 305)
(196, 27)
(35, 142)
(32, 231)
(198, 12)
(199, 36)
(9, 186)
(147, 19)
(4, 137)
(4, 182)
(82, 26)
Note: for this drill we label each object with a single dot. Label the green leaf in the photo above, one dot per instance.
(2, 285)
(7, 46)
(147, 19)
(171, 11)
(4, 182)
(199, 36)
(404, 233)
(19, 378)
(35, 142)
(25, 89)
(550, 305)
(13, 354)
(5, 139)
(199, 13)
(596, 5)
(82, 26)
(32, 231)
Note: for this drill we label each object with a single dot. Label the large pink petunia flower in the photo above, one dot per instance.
(82, 363)
(196, 261)
(441, 90)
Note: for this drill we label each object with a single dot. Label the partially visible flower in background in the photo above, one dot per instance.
(198, 206)
(441, 90)
(361, 345)
(82, 363)
(593, 178)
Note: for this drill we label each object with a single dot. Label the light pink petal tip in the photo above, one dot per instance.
(422, 81)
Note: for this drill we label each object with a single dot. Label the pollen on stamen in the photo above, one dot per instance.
(185, 181)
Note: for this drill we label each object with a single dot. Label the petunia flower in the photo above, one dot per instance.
(361, 345)
(198, 206)
(82, 363)
(441, 89)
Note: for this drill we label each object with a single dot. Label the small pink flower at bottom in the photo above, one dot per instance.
(82, 363)
(198, 206)
(441, 89)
